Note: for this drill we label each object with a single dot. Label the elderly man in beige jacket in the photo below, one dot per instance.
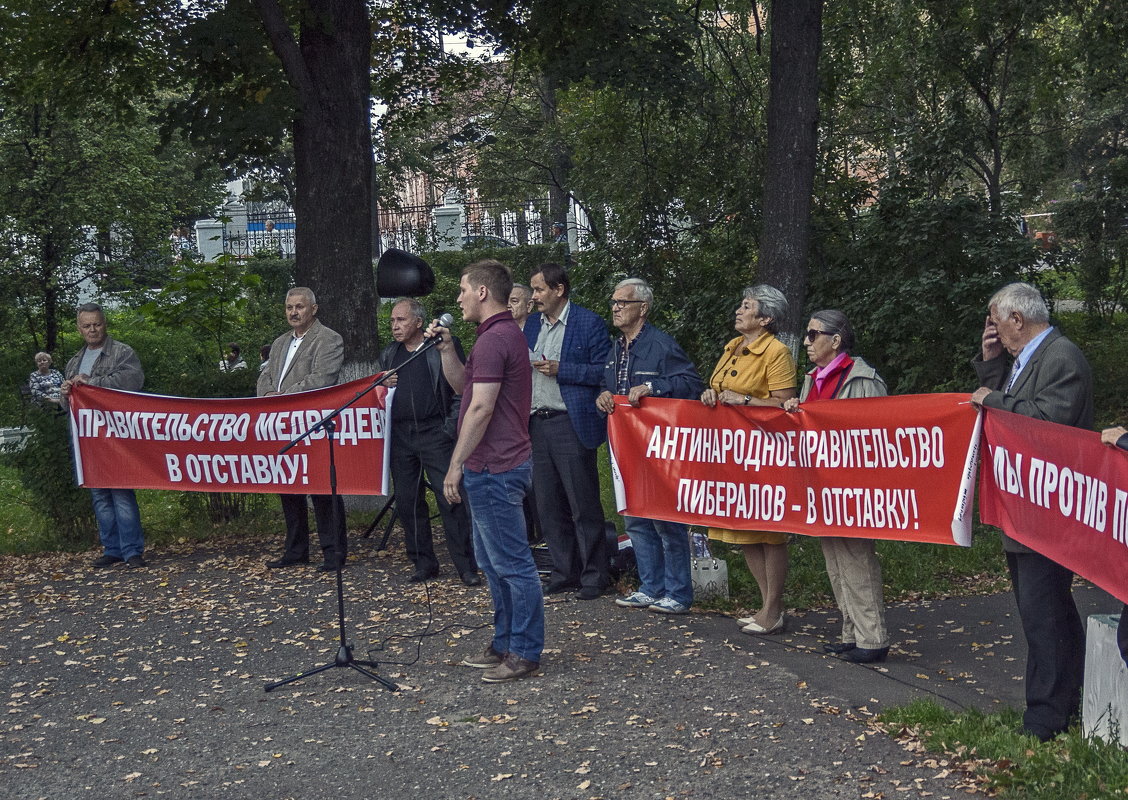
(308, 356)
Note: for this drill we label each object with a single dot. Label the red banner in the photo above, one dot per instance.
(883, 468)
(1058, 491)
(129, 440)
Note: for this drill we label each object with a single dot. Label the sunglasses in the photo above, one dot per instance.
(813, 334)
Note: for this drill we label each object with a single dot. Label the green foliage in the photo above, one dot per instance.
(47, 474)
(1015, 765)
(237, 103)
(914, 276)
(181, 335)
(22, 530)
(1091, 224)
(623, 44)
(1104, 347)
(448, 265)
(695, 293)
(203, 298)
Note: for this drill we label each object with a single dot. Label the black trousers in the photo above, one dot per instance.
(1055, 642)
(330, 523)
(418, 448)
(566, 489)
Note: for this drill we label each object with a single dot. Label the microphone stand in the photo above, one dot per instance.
(328, 423)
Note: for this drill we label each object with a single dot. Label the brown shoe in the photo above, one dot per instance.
(512, 668)
(486, 659)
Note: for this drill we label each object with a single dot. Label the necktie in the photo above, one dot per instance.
(1013, 375)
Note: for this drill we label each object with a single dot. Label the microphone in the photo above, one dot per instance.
(444, 321)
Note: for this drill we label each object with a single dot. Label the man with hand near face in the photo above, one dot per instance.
(569, 346)
(1046, 377)
(491, 469)
(110, 364)
(308, 356)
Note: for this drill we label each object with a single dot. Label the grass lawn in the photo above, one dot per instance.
(999, 759)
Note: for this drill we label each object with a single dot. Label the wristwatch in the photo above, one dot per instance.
(650, 388)
(747, 399)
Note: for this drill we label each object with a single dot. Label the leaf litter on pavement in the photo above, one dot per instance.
(153, 679)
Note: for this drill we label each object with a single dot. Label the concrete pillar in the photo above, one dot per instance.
(448, 223)
(1104, 708)
(209, 239)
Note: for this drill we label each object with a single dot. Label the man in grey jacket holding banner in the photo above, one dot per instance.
(1046, 377)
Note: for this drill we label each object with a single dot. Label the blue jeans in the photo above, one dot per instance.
(119, 522)
(662, 553)
(503, 553)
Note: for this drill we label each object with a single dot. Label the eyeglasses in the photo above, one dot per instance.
(813, 334)
(620, 303)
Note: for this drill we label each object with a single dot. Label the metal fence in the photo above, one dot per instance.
(494, 224)
(485, 223)
(410, 228)
(269, 228)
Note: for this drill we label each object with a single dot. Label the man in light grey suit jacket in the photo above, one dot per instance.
(1049, 379)
(308, 356)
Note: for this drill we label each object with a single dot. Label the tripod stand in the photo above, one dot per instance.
(344, 651)
(344, 656)
(390, 506)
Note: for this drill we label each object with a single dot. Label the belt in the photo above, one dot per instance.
(547, 413)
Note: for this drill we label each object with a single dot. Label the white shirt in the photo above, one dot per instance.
(295, 343)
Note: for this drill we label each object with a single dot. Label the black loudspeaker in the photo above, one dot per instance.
(401, 274)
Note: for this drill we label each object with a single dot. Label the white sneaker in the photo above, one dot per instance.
(636, 600)
(668, 605)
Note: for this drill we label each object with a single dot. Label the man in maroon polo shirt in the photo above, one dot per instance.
(491, 464)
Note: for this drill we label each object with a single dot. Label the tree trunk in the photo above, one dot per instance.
(795, 27)
(49, 284)
(561, 161)
(329, 67)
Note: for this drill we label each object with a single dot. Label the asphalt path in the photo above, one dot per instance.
(150, 683)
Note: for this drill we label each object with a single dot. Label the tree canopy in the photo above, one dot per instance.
(937, 125)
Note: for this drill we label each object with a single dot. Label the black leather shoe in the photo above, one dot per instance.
(838, 648)
(133, 562)
(590, 593)
(107, 560)
(421, 575)
(281, 563)
(1041, 734)
(863, 655)
(328, 566)
(471, 578)
(561, 587)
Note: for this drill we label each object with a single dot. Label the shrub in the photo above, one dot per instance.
(47, 472)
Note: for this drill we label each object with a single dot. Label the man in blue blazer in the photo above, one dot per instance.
(1047, 378)
(569, 346)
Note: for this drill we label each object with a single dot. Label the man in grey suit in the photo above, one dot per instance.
(308, 356)
(1048, 379)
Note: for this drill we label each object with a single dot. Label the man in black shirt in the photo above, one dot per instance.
(421, 442)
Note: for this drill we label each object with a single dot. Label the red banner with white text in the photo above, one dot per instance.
(882, 468)
(1058, 491)
(129, 440)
